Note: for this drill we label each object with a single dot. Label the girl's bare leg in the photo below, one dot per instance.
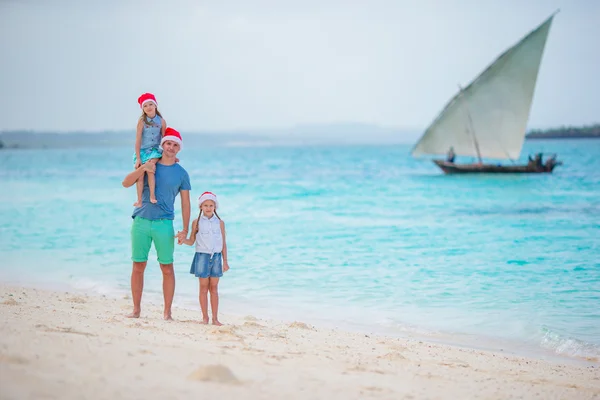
(214, 299)
(204, 299)
(139, 186)
(152, 183)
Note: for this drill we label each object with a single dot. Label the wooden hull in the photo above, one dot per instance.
(451, 168)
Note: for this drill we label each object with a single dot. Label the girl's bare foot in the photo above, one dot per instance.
(153, 200)
(168, 317)
(216, 322)
(135, 314)
(137, 203)
(204, 321)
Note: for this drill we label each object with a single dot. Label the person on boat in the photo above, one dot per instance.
(551, 162)
(450, 156)
(539, 163)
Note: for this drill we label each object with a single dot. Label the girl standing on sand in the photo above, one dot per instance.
(210, 260)
(150, 130)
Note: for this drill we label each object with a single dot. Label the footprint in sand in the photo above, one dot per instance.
(226, 332)
(145, 325)
(455, 363)
(374, 389)
(392, 356)
(8, 359)
(253, 350)
(300, 325)
(60, 329)
(277, 357)
(10, 302)
(77, 299)
(356, 368)
(223, 330)
(252, 324)
(214, 373)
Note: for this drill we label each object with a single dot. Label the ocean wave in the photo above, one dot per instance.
(568, 346)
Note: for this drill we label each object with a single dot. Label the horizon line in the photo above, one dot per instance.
(288, 128)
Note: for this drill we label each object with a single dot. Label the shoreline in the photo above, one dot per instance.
(469, 341)
(64, 344)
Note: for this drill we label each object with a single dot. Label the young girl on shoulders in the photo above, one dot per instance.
(150, 130)
(210, 260)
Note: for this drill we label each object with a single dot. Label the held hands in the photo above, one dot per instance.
(181, 236)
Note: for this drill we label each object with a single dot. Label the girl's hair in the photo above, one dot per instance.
(147, 121)
(199, 215)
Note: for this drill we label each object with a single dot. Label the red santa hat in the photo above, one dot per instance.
(208, 196)
(172, 135)
(145, 98)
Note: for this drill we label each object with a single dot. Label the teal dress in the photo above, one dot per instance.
(151, 137)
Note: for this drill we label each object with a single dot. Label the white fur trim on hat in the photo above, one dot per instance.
(208, 196)
(148, 101)
(172, 139)
(172, 135)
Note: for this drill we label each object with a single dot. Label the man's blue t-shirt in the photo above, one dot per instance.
(170, 179)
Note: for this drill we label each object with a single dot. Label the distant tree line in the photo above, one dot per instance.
(590, 131)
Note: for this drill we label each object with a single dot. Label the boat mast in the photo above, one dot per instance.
(470, 127)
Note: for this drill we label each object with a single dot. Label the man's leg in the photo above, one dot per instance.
(168, 288)
(164, 242)
(140, 247)
(137, 287)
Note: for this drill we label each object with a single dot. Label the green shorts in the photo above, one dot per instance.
(144, 232)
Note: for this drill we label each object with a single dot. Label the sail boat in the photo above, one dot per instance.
(488, 118)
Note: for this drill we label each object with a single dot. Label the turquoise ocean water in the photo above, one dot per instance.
(360, 237)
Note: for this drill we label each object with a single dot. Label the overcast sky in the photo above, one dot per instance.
(219, 65)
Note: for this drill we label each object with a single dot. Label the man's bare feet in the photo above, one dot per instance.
(153, 200)
(204, 321)
(216, 322)
(135, 314)
(168, 317)
(137, 203)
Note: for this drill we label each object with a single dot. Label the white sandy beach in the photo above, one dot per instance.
(57, 345)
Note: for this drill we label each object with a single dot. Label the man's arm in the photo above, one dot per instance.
(135, 175)
(185, 209)
(192, 239)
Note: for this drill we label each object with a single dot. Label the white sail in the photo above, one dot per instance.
(492, 112)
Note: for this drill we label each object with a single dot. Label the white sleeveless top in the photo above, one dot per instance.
(209, 238)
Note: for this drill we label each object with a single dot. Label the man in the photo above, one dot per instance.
(450, 156)
(154, 222)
